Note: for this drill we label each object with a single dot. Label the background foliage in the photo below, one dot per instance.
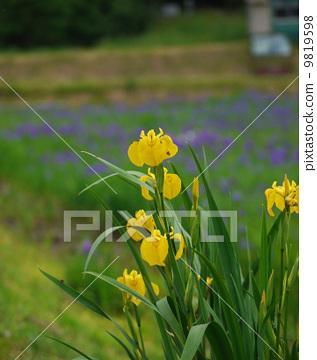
(58, 22)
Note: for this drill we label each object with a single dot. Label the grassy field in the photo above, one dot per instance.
(29, 303)
(134, 74)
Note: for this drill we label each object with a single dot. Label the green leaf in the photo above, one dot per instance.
(166, 339)
(228, 257)
(219, 342)
(101, 180)
(125, 174)
(72, 348)
(167, 313)
(87, 303)
(184, 193)
(98, 241)
(217, 338)
(264, 255)
(76, 295)
(227, 303)
(193, 341)
(123, 345)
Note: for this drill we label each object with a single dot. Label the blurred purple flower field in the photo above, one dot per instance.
(266, 150)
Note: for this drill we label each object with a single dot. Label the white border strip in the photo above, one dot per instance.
(308, 183)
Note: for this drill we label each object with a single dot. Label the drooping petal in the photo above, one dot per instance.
(144, 190)
(135, 155)
(154, 249)
(132, 230)
(270, 199)
(172, 186)
(181, 245)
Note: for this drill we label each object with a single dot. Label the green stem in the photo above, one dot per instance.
(138, 321)
(131, 326)
(286, 318)
(285, 222)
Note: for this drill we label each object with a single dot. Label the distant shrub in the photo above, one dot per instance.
(30, 23)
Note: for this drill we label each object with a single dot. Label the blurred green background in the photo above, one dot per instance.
(99, 72)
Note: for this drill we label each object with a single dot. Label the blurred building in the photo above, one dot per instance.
(273, 16)
(272, 24)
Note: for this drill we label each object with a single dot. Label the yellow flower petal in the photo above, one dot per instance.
(141, 220)
(172, 186)
(154, 249)
(179, 238)
(195, 192)
(270, 199)
(134, 233)
(134, 281)
(135, 155)
(279, 202)
(145, 191)
(168, 148)
(156, 289)
(287, 185)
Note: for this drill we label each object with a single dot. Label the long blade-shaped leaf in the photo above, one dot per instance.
(123, 345)
(98, 241)
(72, 348)
(193, 341)
(76, 295)
(125, 174)
(87, 303)
(167, 313)
(219, 342)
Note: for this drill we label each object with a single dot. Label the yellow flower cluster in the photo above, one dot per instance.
(152, 149)
(135, 281)
(284, 197)
(154, 246)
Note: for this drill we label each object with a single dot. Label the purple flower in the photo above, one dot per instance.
(236, 196)
(278, 156)
(86, 246)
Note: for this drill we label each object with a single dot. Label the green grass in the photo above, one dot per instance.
(29, 302)
(189, 29)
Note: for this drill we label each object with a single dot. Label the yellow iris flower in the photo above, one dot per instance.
(171, 186)
(141, 220)
(152, 149)
(135, 281)
(154, 249)
(284, 196)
